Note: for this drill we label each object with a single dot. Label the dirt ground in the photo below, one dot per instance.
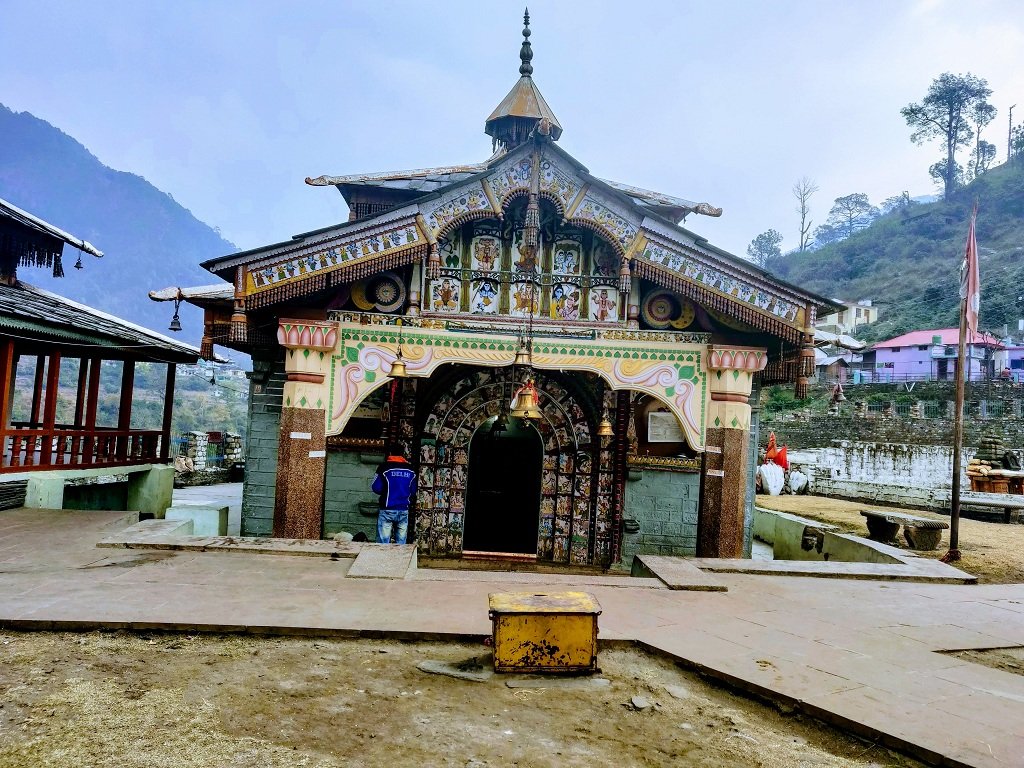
(1006, 659)
(991, 551)
(126, 700)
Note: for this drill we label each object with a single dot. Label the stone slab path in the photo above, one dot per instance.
(859, 654)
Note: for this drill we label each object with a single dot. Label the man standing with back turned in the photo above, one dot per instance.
(396, 483)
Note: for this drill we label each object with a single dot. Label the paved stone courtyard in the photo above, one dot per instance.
(863, 655)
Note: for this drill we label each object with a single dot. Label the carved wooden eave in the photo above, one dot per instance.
(654, 248)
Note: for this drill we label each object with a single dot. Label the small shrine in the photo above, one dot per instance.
(567, 367)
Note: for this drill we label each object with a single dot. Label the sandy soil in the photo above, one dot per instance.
(1006, 659)
(991, 551)
(125, 700)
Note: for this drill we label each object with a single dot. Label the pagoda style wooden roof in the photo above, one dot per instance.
(33, 314)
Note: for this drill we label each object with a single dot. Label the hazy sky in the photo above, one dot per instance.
(228, 106)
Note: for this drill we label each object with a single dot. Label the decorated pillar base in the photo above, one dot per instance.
(301, 461)
(720, 520)
(302, 449)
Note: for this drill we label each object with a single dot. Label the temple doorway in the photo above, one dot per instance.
(504, 488)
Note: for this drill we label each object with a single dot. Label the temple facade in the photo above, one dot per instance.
(569, 369)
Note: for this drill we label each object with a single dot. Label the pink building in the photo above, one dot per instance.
(928, 355)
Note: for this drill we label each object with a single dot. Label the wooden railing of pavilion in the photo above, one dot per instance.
(62, 447)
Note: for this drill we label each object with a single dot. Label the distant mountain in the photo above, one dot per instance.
(908, 261)
(149, 241)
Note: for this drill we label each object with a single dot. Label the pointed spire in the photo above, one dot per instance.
(526, 52)
(524, 108)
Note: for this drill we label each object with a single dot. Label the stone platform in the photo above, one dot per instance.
(867, 656)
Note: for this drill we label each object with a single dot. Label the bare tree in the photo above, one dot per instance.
(802, 191)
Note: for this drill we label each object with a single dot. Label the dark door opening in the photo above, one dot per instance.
(503, 497)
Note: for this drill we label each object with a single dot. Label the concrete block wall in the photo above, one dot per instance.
(349, 505)
(665, 506)
(263, 432)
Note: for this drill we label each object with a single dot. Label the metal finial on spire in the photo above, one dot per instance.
(526, 52)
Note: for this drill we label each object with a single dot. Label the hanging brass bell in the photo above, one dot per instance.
(525, 404)
(398, 368)
(604, 429)
(522, 356)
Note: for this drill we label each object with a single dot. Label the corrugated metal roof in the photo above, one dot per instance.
(11, 211)
(949, 337)
(33, 311)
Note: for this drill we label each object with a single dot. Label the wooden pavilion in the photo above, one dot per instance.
(68, 343)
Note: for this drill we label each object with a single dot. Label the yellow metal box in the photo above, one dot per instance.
(553, 632)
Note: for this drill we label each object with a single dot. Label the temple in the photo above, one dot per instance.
(569, 369)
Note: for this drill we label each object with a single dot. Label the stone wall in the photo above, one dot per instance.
(665, 506)
(349, 505)
(195, 449)
(261, 449)
(819, 431)
(232, 448)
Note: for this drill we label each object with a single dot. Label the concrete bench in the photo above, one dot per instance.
(921, 533)
(1011, 504)
(206, 520)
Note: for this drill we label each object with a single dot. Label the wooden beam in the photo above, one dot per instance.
(83, 383)
(124, 409)
(50, 408)
(165, 437)
(37, 390)
(91, 403)
(8, 367)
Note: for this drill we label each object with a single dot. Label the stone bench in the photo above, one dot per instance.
(206, 520)
(921, 533)
(1011, 504)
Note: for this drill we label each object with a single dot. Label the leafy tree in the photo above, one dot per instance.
(945, 113)
(764, 249)
(803, 189)
(852, 212)
(825, 235)
(897, 202)
(1017, 142)
(982, 114)
(984, 154)
(941, 176)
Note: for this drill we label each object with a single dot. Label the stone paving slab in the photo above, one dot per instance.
(677, 573)
(912, 568)
(859, 654)
(384, 561)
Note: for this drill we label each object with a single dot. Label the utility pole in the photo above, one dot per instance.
(1009, 137)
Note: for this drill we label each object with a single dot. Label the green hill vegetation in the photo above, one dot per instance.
(908, 260)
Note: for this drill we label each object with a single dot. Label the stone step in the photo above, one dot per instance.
(384, 561)
(207, 519)
(676, 573)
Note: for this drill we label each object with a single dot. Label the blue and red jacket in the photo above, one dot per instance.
(395, 482)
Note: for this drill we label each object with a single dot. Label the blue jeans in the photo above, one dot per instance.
(392, 518)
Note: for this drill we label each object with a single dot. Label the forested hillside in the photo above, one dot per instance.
(908, 260)
(149, 240)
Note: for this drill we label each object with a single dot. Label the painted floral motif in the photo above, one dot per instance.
(509, 178)
(557, 182)
(620, 229)
(444, 211)
(340, 253)
(720, 281)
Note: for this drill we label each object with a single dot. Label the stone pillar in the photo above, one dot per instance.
(302, 449)
(720, 525)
